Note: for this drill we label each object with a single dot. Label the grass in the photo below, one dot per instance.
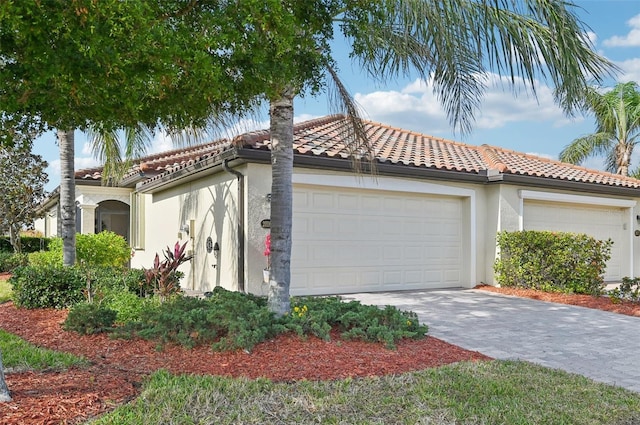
(17, 354)
(5, 290)
(495, 392)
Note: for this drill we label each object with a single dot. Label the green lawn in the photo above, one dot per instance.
(18, 354)
(5, 290)
(495, 392)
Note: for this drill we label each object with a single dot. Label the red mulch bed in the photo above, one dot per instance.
(118, 367)
(601, 303)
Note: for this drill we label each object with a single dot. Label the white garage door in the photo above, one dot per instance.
(600, 222)
(348, 240)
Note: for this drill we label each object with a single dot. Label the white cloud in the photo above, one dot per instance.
(416, 107)
(542, 155)
(300, 118)
(87, 149)
(161, 142)
(630, 69)
(631, 39)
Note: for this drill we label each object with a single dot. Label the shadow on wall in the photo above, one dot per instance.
(204, 205)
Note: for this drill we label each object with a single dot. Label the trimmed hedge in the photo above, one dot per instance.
(552, 261)
(47, 286)
(52, 286)
(29, 244)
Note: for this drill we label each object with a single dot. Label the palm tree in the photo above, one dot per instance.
(617, 115)
(66, 142)
(452, 42)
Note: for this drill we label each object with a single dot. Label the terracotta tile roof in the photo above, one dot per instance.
(512, 162)
(325, 137)
(162, 162)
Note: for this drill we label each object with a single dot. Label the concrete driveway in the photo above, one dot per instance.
(600, 345)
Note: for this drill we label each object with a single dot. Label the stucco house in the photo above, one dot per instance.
(427, 219)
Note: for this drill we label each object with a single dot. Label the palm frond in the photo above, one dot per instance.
(584, 147)
(458, 42)
(355, 135)
(116, 152)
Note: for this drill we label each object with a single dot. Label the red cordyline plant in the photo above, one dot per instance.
(267, 250)
(164, 277)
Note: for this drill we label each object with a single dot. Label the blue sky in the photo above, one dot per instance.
(522, 123)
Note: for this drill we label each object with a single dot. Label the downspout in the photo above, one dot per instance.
(241, 226)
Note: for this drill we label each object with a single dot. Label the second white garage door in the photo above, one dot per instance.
(600, 222)
(348, 240)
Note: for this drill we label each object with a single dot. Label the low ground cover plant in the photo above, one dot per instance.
(231, 320)
(552, 261)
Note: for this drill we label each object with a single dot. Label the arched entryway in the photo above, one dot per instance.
(113, 216)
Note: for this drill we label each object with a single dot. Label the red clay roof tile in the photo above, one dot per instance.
(327, 136)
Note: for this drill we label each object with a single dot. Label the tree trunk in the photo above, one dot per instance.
(5, 396)
(281, 115)
(67, 196)
(14, 238)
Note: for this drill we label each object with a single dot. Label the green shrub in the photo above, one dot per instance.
(45, 258)
(88, 319)
(128, 306)
(628, 290)
(47, 286)
(9, 261)
(116, 277)
(552, 261)
(105, 249)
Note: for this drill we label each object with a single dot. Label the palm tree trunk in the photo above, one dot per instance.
(5, 396)
(281, 115)
(67, 196)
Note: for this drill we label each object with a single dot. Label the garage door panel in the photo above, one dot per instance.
(373, 240)
(599, 222)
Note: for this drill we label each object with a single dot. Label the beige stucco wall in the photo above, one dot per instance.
(258, 185)
(211, 203)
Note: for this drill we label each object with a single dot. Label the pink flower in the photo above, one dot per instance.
(267, 245)
(267, 250)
